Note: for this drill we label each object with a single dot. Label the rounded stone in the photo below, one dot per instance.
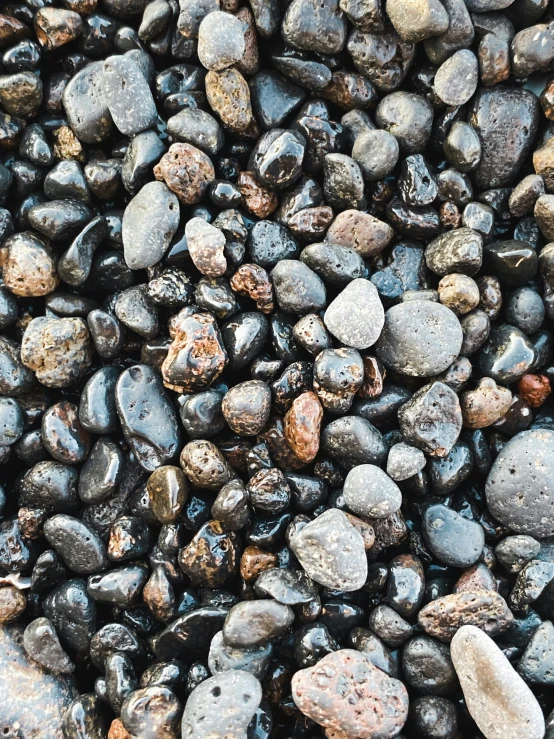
(453, 539)
(221, 41)
(356, 316)
(246, 407)
(456, 79)
(520, 485)
(376, 152)
(253, 622)
(368, 491)
(419, 338)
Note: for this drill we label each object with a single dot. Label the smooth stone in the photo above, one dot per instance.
(536, 665)
(520, 484)
(222, 705)
(198, 128)
(427, 666)
(425, 350)
(85, 105)
(86, 717)
(314, 26)
(223, 658)
(356, 316)
(120, 587)
(368, 491)
(143, 152)
(500, 703)
(73, 613)
(75, 263)
(153, 711)
(11, 421)
(514, 552)
(376, 152)
(352, 440)
(43, 646)
(148, 418)
(49, 485)
(59, 219)
(34, 702)
(404, 461)
(456, 79)
(78, 544)
(150, 221)
(453, 539)
(298, 289)
(290, 587)
(457, 251)
(97, 411)
(128, 95)
(253, 622)
(507, 355)
(408, 117)
(101, 472)
(332, 552)
(506, 120)
(432, 419)
(221, 41)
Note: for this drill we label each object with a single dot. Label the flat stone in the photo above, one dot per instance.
(500, 703)
(356, 316)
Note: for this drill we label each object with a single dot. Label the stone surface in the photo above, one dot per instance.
(368, 491)
(487, 610)
(498, 700)
(356, 316)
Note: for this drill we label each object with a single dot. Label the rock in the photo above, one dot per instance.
(314, 26)
(20, 679)
(442, 617)
(221, 41)
(222, 706)
(211, 558)
(78, 544)
(507, 356)
(506, 120)
(128, 95)
(352, 440)
(519, 486)
(456, 79)
(43, 646)
(408, 117)
(229, 96)
(458, 251)
(376, 153)
(290, 587)
(453, 539)
(154, 711)
(368, 491)
(356, 315)
(486, 404)
(345, 692)
(360, 231)
(253, 622)
(426, 351)
(28, 268)
(427, 666)
(432, 419)
(514, 552)
(302, 424)
(404, 461)
(500, 703)
(223, 658)
(187, 172)
(149, 223)
(297, 288)
(332, 552)
(206, 244)
(196, 127)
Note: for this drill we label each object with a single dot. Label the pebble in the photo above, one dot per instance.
(426, 351)
(12, 603)
(149, 223)
(376, 153)
(456, 79)
(251, 623)
(408, 117)
(253, 660)
(214, 707)
(515, 551)
(314, 26)
(427, 666)
(356, 316)
(518, 485)
(186, 171)
(492, 702)
(302, 424)
(453, 539)
(229, 96)
(325, 693)
(298, 289)
(331, 551)
(441, 618)
(43, 646)
(206, 244)
(127, 95)
(368, 491)
(404, 461)
(221, 41)
(77, 543)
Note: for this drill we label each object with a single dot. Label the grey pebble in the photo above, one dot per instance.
(408, 117)
(454, 540)
(418, 19)
(128, 95)
(298, 289)
(43, 646)
(252, 622)
(462, 147)
(86, 106)
(290, 587)
(432, 419)
(376, 153)
(356, 316)
(196, 127)
(135, 310)
(456, 79)
(404, 461)
(368, 491)
(253, 660)
(79, 545)
(515, 551)
(221, 40)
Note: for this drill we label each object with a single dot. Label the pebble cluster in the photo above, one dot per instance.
(276, 354)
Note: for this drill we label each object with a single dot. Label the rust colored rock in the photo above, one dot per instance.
(345, 692)
(302, 426)
(205, 466)
(30, 522)
(486, 609)
(252, 281)
(12, 30)
(311, 224)
(349, 90)
(364, 528)
(229, 96)
(56, 27)
(449, 215)
(197, 356)
(486, 404)
(547, 99)
(67, 145)
(534, 389)
(255, 560)
(28, 267)
(159, 596)
(543, 162)
(118, 731)
(281, 452)
(187, 172)
(374, 377)
(12, 603)
(478, 577)
(256, 198)
(250, 62)
(360, 231)
(211, 557)
(206, 244)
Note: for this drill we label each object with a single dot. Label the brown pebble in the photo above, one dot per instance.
(12, 603)
(67, 145)
(211, 557)
(459, 293)
(252, 281)
(159, 596)
(205, 466)
(28, 267)
(30, 522)
(389, 532)
(543, 162)
(281, 452)
(364, 528)
(534, 389)
(374, 377)
(311, 224)
(229, 96)
(257, 199)
(449, 215)
(485, 405)
(118, 731)
(187, 171)
(197, 356)
(250, 62)
(302, 425)
(442, 617)
(478, 577)
(255, 560)
(12, 30)
(56, 27)
(547, 99)
(168, 491)
(344, 691)
(494, 59)
(360, 231)
(349, 90)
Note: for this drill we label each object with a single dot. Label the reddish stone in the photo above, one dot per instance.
(255, 560)
(302, 425)
(256, 198)
(486, 609)
(534, 389)
(449, 215)
(360, 231)
(253, 281)
(478, 577)
(345, 692)
(374, 376)
(118, 731)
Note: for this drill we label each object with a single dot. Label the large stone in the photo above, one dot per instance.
(356, 315)
(33, 702)
(500, 703)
